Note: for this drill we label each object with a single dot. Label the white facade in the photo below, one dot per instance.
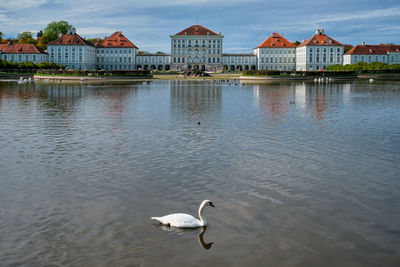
(352, 59)
(318, 57)
(239, 62)
(35, 58)
(111, 58)
(153, 62)
(276, 58)
(80, 57)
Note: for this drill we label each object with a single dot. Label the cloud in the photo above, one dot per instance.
(372, 14)
(12, 5)
(95, 30)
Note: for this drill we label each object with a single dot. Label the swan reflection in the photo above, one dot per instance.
(200, 237)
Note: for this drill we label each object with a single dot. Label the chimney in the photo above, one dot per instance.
(362, 43)
(73, 31)
(60, 34)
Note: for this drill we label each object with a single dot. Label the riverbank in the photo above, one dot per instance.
(287, 78)
(7, 76)
(217, 76)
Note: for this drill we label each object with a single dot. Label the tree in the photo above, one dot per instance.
(347, 47)
(54, 28)
(296, 43)
(39, 34)
(93, 41)
(1, 36)
(26, 38)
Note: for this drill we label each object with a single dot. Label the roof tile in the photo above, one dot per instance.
(196, 30)
(320, 40)
(117, 40)
(275, 40)
(20, 49)
(373, 49)
(70, 39)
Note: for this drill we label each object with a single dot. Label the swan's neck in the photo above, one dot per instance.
(201, 217)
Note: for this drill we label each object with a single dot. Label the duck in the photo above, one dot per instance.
(182, 220)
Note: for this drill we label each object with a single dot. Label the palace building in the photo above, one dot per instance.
(72, 51)
(384, 53)
(196, 47)
(116, 52)
(318, 52)
(22, 53)
(276, 53)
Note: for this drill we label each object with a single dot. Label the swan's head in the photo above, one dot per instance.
(208, 203)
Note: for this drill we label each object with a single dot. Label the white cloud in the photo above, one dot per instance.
(12, 5)
(95, 30)
(378, 13)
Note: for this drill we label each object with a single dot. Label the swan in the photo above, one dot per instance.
(183, 220)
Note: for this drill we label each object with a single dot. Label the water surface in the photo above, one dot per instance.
(302, 174)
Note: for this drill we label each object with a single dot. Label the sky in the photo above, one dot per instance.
(244, 24)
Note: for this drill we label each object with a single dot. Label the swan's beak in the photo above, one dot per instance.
(212, 205)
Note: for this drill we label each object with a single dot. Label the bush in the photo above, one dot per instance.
(362, 67)
(18, 66)
(297, 73)
(96, 73)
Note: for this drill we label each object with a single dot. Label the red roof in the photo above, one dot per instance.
(117, 39)
(19, 49)
(320, 39)
(275, 40)
(70, 39)
(196, 30)
(373, 49)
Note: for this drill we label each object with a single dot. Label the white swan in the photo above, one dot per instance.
(183, 220)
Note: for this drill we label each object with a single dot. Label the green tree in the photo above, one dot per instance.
(54, 28)
(39, 34)
(26, 38)
(296, 43)
(1, 36)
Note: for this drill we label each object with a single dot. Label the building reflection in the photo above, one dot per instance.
(274, 99)
(195, 100)
(322, 99)
(314, 99)
(193, 103)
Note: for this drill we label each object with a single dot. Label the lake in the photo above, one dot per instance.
(301, 173)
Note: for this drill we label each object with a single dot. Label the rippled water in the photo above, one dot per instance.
(302, 174)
